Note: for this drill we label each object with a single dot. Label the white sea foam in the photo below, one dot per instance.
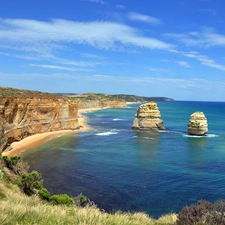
(118, 119)
(106, 133)
(147, 138)
(206, 136)
(143, 137)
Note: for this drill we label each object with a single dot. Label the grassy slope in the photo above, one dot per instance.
(13, 92)
(17, 208)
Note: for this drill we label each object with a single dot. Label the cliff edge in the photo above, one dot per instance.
(22, 117)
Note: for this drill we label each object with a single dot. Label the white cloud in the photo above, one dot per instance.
(205, 60)
(143, 18)
(120, 6)
(183, 64)
(206, 38)
(158, 69)
(91, 56)
(54, 67)
(96, 1)
(47, 38)
(212, 11)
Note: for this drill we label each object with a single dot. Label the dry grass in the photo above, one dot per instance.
(17, 208)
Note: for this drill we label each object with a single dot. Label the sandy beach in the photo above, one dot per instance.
(37, 139)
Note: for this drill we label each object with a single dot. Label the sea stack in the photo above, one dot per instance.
(198, 124)
(148, 117)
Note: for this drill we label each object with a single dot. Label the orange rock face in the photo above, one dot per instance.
(85, 104)
(22, 117)
(148, 117)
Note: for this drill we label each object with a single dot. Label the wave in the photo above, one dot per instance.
(142, 137)
(188, 135)
(107, 133)
(118, 119)
(206, 136)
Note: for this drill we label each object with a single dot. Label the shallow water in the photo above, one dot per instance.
(154, 172)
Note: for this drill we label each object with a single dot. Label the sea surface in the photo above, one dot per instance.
(148, 171)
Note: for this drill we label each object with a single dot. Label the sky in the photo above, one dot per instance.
(167, 48)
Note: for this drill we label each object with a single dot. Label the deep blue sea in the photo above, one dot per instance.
(152, 172)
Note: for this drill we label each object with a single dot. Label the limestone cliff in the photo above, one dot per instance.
(148, 117)
(85, 103)
(198, 124)
(21, 117)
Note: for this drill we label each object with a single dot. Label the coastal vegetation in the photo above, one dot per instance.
(135, 98)
(23, 200)
(13, 92)
(18, 206)
(20, 93)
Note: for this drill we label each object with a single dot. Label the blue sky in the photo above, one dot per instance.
(172, 48)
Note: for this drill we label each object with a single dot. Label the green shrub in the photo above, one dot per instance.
(11, 161)
(82, 200)
(61, 199)
(31, 182)
(15, 164)
(44, 194)
(203, 213)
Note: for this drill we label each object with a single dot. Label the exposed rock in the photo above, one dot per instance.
(198, 124)
(95, 103)
(23, 117)
(148, 117)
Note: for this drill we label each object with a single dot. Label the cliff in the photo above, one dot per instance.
(21, 117)
(91, 100)
(85, 104)
(24, 113)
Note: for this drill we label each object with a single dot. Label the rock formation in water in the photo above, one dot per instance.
(198, 124)
(148, 117)
(22, 117)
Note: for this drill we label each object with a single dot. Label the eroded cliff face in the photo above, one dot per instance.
(22, 117)
(85, 104)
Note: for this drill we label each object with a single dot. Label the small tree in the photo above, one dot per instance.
(31, 182)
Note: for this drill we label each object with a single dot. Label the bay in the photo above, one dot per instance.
(147, 171)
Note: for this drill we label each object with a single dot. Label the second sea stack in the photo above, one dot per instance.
(198, 124)
(148, 117)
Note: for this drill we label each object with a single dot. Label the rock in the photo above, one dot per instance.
(148, 117)
(23, 117)
(198, 124)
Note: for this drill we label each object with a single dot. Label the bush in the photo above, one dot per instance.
(44, 194)
(62, 199)
(31, 182)
(82, 200)
(203, 213)
(15, 164)
(11, 161)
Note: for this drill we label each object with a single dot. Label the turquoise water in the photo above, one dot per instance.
(153, 172)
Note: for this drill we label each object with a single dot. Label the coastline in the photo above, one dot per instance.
(37, 139)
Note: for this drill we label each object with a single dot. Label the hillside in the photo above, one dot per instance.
(135, 98)
(20, 93)
(127, 98)
(18, 208)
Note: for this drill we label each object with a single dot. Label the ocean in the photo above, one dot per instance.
(147, 171)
